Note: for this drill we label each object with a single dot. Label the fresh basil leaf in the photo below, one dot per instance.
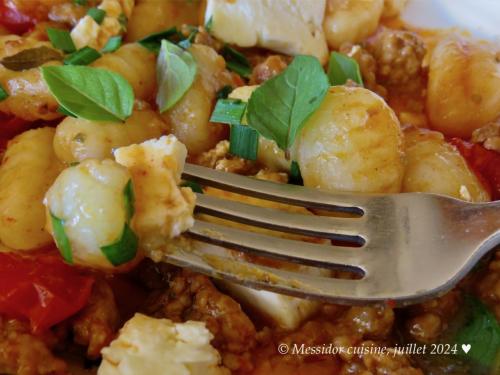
(482, 333)
(62, 240)
(280, 107)
(80, 2)
(3, 94)
(224, 92)
(195, 187)
(186, 43)
(176, 70)
(61, 39)
(64, 111)
(97, 14)
(236, 61)
(83, 56)
(123, 250)
(209, 25)
(113, 44)
(129, 197)
(31, 58)
(228, 111)
(90, 93)
(341, 68)
(153, 41)
(295, 175)
(243, 142)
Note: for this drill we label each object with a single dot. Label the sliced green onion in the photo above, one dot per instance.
(128, 193)
(3, 94)
(341, 68)
(83, 56)
(236, 61)
(244, 142)
(153, 41)
(295, 176)
(113, 44)
(224, 92)
(62, 240)
(123, 250)
(61, 39)
(97, 14)
(228, 111)
(64, 111)
(195, 187)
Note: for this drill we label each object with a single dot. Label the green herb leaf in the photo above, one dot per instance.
(195, 187)
(123, 250)
(64, 111)
(31, 58)
(236, 61)
(153, 41)
(97, 14)
(176, 70)
(295, 176)
(279, 108)
(90, 93)
(80, 2)
(209, 25)
(482, 332)
(244, 142)
(62, 240)
(61, 39)
(224, 92)
(123, 20)
(83, 56)
(113, 44)
(342, 68)
(228, 111)
(3, 94)
(129, 197)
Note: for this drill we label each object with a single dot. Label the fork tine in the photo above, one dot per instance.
(277, 280)
(326, 256)
(285, 193)
(343, 229)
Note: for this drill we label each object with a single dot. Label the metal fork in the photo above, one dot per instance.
(411, 246)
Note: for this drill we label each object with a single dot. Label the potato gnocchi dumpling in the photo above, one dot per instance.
(79, 139)
(137, 65)
(435, 166)
(352, 143)
(28, 169)
(189, 118)
(464, 77)
(162, 209)
(351, 20)
(151, 16)
(90, 201)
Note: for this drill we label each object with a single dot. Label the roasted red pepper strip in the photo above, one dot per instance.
(485, 163)
(15, 21)
(41, 288)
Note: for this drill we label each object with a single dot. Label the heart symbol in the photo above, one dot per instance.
(466, 348)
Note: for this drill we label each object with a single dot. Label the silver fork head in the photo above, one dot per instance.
(414, 245)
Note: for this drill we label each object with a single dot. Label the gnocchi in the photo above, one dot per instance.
(78, 139)
(89, 200)
(435, 166)
(353, 142)
(28, 169)
(137, 65)
(463, 95)
(189, 118)
(351, 20)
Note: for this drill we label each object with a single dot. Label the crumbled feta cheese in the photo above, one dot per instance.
(160, 347)
(293, 27)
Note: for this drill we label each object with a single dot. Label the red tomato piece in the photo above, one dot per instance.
(41, 288)
(15, 21)
(485, 163)
(11, 126)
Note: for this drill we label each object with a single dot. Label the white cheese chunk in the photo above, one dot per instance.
(292, 27)
(160, 347)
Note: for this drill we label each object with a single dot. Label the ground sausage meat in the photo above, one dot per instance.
(23, 353)
(488, 288)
